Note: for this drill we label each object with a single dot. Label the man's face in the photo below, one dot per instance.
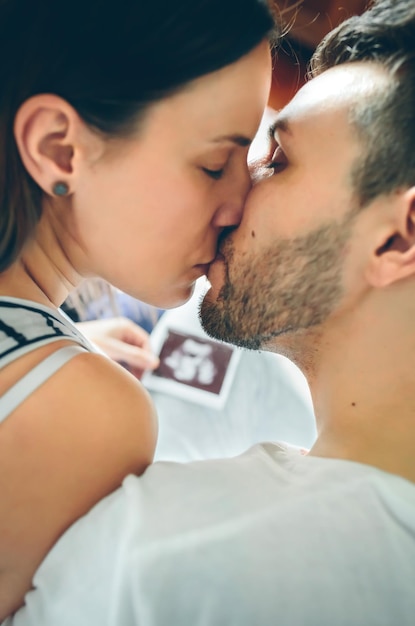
(286, 270)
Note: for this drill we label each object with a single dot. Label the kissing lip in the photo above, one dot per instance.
(217, 258)
(204, 267)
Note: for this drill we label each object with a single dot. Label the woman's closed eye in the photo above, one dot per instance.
(216, 174)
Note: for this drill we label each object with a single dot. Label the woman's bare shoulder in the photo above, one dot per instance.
(105, 406)
(91, 420)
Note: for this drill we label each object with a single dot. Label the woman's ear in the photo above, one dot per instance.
(50, 137)
(394, 255)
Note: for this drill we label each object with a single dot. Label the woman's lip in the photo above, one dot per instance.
(203, 267)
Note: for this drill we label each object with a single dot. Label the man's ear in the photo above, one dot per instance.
(393, 257)
(50, 137)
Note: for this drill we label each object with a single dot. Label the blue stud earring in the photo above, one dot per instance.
(60, 189)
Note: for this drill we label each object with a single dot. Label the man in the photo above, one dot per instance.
(322, 269)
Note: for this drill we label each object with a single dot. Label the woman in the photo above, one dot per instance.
(123, 145)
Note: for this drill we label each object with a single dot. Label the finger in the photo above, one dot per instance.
(133, 356)
(131, 333)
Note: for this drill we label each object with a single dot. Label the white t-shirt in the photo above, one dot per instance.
(270, 538)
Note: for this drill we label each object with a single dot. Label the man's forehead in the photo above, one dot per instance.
(332, 93)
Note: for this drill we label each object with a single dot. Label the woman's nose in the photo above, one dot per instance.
(231, 210)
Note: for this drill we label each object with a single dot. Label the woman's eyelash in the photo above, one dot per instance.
(215, 174)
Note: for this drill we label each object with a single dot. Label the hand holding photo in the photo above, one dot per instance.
(196, 368)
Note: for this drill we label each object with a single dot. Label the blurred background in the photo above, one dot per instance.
(306, 22)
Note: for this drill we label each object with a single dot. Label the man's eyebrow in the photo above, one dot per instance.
(239, 140)
(280, 124)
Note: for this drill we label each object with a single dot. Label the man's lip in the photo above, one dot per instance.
(204, 267)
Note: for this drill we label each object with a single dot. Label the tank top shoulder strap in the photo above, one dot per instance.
(26, 326)
(35, 378)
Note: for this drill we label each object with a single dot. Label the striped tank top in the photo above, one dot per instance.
(26, 326)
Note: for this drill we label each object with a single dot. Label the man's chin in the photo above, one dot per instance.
(217, 322)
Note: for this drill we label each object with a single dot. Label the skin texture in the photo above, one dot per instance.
(295, 284)
(312, 275)
(143, 213)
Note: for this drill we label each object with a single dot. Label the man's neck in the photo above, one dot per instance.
(362, 381)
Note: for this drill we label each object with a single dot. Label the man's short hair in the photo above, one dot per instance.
(385, 34)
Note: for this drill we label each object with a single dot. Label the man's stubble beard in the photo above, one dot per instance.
(291, 287)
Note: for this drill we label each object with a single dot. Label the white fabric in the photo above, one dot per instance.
(270, 538)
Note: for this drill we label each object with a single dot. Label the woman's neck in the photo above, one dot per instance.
(43, 272)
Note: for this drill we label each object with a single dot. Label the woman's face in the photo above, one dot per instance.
(147, 214)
